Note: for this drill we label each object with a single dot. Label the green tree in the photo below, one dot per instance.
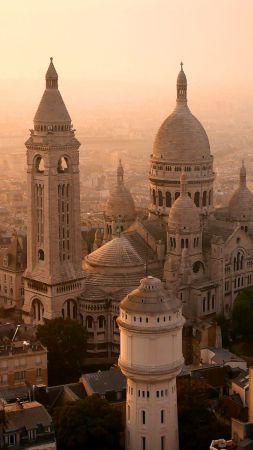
(198, 425)
(65, 340)
(242, 314)
(88, 424)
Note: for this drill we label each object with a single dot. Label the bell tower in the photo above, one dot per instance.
(53, 279)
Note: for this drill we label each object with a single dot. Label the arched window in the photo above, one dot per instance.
(89, 322)
(115, 325)
(160, 198)
(210, 197)
(41, 255)
(182, 243)
(154, 197)
(63, 165)
(37, 311)
(101, 322)
(69, 309)
(177, 194)
(189, 194)
(39, 164)
(168, 199)
(197, 199)
(204, 198)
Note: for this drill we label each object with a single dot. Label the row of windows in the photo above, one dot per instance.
(101, 322)
(184, 242)
(144, 415)
(52, 127)
(180, 168)
(238, 282)
(144, 443)
(39, 212)
(146, 394)
(64, 221)
(157, 319)
(160, 200)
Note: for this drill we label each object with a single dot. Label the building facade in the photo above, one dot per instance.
(22, 363)
(150, 320)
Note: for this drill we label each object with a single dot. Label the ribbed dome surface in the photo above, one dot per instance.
(150, 297)
(181, 137)
(241, 205)
(120, 203)
(116, 253)
(184, 214)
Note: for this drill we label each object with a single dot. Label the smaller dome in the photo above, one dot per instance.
(120, 202)
(241, 204)
(184, 213)
(150, 297)
(116, 253)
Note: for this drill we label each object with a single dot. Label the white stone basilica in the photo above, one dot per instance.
(204, 255)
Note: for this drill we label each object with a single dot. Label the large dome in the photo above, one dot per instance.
(181, 136)
(184, 214)
(241, 204)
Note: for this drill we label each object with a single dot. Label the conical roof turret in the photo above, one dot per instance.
(51, 76)
(52, 112)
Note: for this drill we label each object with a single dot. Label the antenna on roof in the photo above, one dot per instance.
(18, 326)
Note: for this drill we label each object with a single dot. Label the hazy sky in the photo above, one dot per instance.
(128, 40)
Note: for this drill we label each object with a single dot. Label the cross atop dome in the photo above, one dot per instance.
(181, 86)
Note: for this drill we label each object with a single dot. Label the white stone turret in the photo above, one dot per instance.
(150, 324)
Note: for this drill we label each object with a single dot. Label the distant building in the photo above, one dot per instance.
(242, 432)
(12, 267)
(221, 356)
(26, 425)
(22, 363)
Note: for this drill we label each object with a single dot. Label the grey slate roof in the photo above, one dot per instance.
(28, 416)
(216, 228)
(106, 381)
(155, 228)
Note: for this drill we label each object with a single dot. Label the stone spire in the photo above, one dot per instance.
(181, 86)
(52, 113)
(51, 76)
(120, 173)
(243, 175)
